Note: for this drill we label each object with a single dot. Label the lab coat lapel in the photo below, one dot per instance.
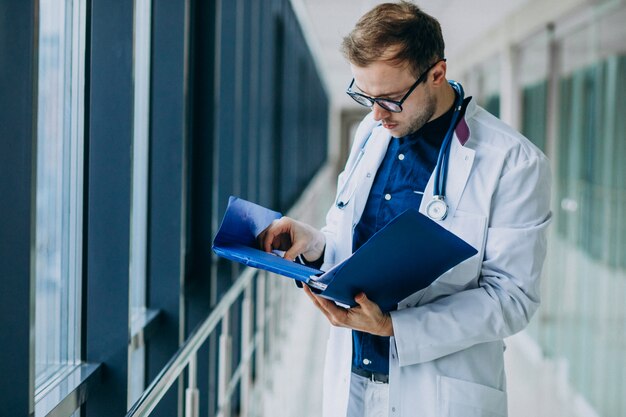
(373, 157)
(459, 167)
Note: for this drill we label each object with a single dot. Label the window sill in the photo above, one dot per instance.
(68, 393)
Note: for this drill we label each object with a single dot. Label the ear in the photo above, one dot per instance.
(438, 74)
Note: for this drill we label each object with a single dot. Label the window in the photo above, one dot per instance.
(583, 314)
(483, 81)
(533, 78)
(139, 208)
(59, 195)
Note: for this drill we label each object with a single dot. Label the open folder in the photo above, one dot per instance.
(403, 257)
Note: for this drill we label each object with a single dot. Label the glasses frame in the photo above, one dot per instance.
(382, 102)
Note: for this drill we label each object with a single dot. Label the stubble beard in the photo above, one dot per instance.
(420, 119)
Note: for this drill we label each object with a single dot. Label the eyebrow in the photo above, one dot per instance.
(381, 95)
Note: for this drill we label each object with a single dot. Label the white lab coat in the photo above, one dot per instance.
(446, 359)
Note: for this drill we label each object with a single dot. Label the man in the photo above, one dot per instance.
(441, 352)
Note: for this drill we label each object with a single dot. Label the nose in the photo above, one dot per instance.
(379, 112)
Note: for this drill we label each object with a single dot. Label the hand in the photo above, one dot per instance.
(294, 237)
(366, 317)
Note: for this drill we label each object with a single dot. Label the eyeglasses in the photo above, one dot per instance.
(387, 104)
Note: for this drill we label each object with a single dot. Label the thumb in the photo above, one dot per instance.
(363, 301)
(293, 251)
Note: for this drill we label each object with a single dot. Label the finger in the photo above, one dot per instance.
(309, 292)
(338, 316)
(271, 233)
(294, 248)
(268, 240)
(293, 251)
(260, 239)
(335, 315)
(279, 243)
(315, 300)
(266, 236)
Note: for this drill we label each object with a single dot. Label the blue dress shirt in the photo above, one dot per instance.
(399, 185)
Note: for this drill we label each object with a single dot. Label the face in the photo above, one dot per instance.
(381, 79)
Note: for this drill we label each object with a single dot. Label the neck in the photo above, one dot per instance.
(445, 100)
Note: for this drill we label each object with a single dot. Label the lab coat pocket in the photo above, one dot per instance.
(472, 228)
(457, 398)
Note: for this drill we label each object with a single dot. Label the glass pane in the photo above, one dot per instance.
(583, 313)
(533, 76)
(139, 209)
(534, 112)
(492, 104)
(483, 82)
(59, 187)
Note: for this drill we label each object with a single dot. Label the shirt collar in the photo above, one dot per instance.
(435, 130)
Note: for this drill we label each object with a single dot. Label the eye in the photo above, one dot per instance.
(395, 97)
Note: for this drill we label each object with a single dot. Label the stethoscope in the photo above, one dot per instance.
(437, 208)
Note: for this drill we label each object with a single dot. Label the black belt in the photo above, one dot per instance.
(372, 376)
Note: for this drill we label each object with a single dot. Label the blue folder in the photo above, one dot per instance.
(403, 257)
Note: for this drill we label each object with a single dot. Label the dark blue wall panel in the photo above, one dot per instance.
(167, 186)
(17, 170)
(109, 124)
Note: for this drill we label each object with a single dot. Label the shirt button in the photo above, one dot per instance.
(387, 197)
(366, 361)
(401, 157)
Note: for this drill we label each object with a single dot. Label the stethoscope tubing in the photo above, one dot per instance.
(441, 168)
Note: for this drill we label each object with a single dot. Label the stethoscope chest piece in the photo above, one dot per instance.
(437, 209)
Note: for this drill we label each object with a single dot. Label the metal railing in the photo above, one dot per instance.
(261, 333)
(252, 337)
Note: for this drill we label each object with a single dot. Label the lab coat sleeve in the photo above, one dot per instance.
(507, 294)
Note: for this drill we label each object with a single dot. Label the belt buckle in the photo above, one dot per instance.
(371, 376)
(376, 380)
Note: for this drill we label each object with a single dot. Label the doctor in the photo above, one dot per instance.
(424, 145)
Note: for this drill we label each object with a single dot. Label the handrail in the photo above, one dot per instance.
(169, 374)
(252, 337)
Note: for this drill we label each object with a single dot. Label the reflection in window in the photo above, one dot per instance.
(139, 209)
(534, 113)
(583, 313)
(483, 83)
(589, 246)
(533, 70)
(59, 187)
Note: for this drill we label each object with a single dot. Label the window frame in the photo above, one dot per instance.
(66, 304)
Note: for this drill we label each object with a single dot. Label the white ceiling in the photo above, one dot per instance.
(462, 21)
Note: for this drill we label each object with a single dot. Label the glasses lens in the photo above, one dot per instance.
(390, 106)
(363, 101)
